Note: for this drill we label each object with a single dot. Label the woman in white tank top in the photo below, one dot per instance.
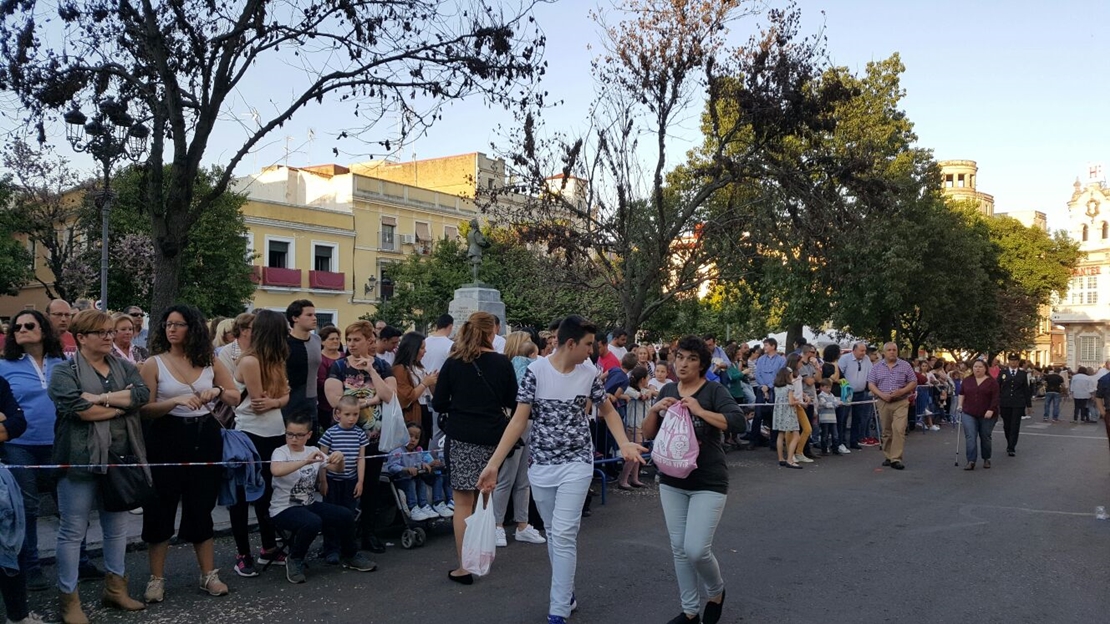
(186, 379)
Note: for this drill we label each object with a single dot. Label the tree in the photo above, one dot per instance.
(425, 285)
(216, 271)
(180, 65)
(15, 260)
(619, 204)
(45, 206)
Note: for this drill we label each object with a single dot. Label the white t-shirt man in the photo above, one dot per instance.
(560, 446)
(498, 343)
(617, 351)
(436, 349)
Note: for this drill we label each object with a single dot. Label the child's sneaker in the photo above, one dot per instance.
(443, 510)
(331, 558)
(556, 619)
(360, 563)
(530, 534)
(501, 541)
(451, 506)
(244, 566)
(417, 514)
(294, 570)
(274, 556)
(429, 513)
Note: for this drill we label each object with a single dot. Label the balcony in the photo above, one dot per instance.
(286, 278)
(326, 280)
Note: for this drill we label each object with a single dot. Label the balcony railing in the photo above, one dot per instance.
(326, 280)
(276, 276)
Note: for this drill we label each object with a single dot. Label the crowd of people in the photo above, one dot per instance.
(523, 418)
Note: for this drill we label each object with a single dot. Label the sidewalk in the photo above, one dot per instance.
(48, 529)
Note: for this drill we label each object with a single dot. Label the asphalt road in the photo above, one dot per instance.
(842, 541)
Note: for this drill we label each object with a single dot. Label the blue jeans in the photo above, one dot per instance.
(416, 494)
(561, 510)
(978, 428)
(859, 414)
(28, 480)
(1052, 402)
(692, 517)
(76, 500)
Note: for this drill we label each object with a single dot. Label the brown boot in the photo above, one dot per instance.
(71, 609)
(115, 594)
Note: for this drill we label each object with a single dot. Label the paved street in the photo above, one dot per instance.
(841, 541)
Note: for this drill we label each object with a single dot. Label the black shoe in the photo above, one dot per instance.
(89, 572)
(897, 465)
(681, 618)
(886, 462)
(37, 581)
(465, 579)
(1010, 453)
(372, 543)
(855, 447)
(713, 611)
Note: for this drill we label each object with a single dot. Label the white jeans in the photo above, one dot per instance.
(561, 509)
(692, 518)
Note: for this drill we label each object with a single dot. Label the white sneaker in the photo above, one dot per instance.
(32, 618)
(803, 459)
(429, 513)
(934, 428)
(443, 511)
(501, 541)
(530, 534)
(417, 514)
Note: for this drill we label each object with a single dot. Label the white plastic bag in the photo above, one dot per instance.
(394, 433)
(480, 539)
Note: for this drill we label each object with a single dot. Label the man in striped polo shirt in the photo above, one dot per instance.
(891, 382)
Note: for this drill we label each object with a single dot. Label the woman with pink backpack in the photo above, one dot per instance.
(687, 424)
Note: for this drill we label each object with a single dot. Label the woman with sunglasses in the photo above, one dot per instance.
(186, 379)
(124, 344)
(98, 397)
(31, 351)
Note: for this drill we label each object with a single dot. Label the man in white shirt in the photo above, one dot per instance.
(618, 344)
(1102, 371)
(498, 339)
(438, 344)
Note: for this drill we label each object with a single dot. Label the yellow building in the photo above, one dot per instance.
(958, 179)
(329, 235)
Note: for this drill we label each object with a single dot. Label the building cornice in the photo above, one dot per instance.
(300, 227)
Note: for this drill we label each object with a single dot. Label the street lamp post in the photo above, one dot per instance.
(111, 135)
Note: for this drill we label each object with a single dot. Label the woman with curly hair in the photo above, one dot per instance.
(261, 372)
(185, 379)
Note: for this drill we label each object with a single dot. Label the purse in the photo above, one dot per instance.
(123, 488)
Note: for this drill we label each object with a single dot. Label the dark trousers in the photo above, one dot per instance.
(860, 413)
(342, 492)
(762, 414)
(370, 486)
(842, 412)
(1011, 424)
(829, 437)
(238, 512)
(13, 588)
(195, 488)
(307, 521)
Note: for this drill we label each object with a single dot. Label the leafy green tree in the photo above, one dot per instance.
(216, 273)
(15, 260)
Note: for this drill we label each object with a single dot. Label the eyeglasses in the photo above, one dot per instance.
(296, 436)
(102, 333)
(174, 325)
(22, 326)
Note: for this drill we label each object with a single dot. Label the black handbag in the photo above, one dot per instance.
(124, 488)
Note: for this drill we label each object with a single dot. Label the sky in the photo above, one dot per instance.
(1019, 86)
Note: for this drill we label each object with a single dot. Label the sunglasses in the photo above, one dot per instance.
(136, 315)
(21, 326)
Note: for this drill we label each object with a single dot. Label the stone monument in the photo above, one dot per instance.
(476, 296)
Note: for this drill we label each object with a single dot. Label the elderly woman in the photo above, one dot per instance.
(98, 397)
(123, 346)
(692, 506)
(31, 351)
(186, 380)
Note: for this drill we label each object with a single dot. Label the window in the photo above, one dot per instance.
(385, 285)
(1083, 290)
(450, 232)
(277, 254)
(1084, 233)
(1089, 349)
(324, 258)
(323, 319)
(961, 181)
(388, 236)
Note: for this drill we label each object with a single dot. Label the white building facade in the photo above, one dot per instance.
(1085, 311)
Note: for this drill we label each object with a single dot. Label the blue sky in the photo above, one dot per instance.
(1019, 86)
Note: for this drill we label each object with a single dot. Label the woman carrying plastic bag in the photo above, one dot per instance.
(480, 538)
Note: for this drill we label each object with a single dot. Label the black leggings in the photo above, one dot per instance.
(238, 511)
(14, 591)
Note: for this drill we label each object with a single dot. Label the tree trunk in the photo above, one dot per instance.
(793, 332)
(167, 269)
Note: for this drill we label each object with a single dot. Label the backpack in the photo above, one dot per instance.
(675, 451)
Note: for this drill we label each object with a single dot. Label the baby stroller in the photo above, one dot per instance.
(393, 517)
